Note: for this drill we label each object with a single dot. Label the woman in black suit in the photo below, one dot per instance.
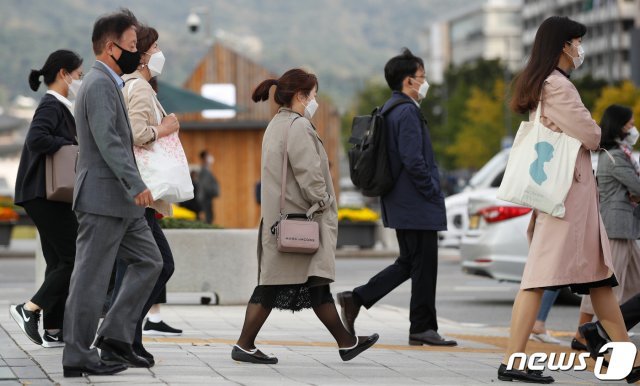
(52, 127)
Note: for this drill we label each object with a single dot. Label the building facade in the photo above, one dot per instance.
(490, 30)
(610, 24)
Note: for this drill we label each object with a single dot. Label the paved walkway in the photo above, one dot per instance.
(307, 355)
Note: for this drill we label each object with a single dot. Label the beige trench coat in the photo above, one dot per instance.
(145, 112)
(308, 182)
(574, 249)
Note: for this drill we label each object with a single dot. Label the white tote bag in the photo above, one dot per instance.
(164, 167)
(540, 169)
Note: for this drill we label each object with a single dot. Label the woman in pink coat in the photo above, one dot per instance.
(572, 251)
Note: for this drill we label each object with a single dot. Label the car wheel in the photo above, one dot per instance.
(568, 298)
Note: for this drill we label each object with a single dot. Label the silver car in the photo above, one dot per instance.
(495, 244)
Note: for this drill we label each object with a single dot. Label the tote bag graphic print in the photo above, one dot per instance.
(164, 169)
(540, 168)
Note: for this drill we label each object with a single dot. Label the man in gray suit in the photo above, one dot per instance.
(109, 201)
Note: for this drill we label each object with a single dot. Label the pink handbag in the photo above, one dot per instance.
(296, 233)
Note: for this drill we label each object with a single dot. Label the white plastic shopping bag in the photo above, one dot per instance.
(165, 170)
(540, 169)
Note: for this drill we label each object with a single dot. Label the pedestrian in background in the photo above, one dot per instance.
(208, 187)
(294, 281)
(149, 122)
(109, 201)
(52, 127)
(539, 331)
(414, 207)
(572, 251)
(619, 191)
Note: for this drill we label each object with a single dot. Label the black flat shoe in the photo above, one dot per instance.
(99, 368)
(363, 343)
(575, 345)
(634, 375)
(122, 352)
(253, 356)
(529, 376)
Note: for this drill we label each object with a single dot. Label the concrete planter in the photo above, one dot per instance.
(222, 261)
(357, 233)
(219, 261)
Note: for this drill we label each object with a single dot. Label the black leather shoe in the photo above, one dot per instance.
(596, 337)
(350, 309)
(576, 345)
(122, 352)
(529, 376)
(634, 375)
(253, 356)
(99, 368)
(142, 352)
(431, 338)
(363, 343)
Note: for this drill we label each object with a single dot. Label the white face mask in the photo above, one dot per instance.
(156, 63)
(74, 87)
(422, 90)
(310, 108)
(632, 136)
(578, 60)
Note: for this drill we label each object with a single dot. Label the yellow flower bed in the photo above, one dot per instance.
(357, 215)
(183, 213)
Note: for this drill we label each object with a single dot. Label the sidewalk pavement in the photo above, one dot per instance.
(307, 354)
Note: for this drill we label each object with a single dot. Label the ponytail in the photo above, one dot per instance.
(290, 83)
(261, 93)
(34, 79)
(58, 60)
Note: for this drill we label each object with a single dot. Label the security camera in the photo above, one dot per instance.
(193, 22)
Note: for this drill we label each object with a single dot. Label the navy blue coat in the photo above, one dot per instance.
(416, 201)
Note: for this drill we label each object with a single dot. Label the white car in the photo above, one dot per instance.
(490, 175)
(495, 244)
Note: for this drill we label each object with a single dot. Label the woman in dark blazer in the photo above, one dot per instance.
(52, 127)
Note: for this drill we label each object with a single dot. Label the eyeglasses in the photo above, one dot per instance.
(419, 76)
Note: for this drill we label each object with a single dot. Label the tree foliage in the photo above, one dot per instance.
(625, 94)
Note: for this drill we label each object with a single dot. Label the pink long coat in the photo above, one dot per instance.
(574, 249)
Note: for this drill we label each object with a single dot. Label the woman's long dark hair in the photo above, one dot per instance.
(550, 39)
(291, 82)
(61, 59)
(612, 124)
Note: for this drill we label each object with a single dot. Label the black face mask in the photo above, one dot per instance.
(128, 61)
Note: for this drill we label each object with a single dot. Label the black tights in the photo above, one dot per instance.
(257, 314)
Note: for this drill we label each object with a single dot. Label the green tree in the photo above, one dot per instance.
(625, 94)
(482, 129)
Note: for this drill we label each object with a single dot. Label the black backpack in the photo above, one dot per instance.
(368, 158)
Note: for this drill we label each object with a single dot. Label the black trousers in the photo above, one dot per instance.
(167, 270)
(58, 228)
(631, 312)
(418, 261)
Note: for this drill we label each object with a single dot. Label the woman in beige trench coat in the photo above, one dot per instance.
(293, 281)
(574, 250)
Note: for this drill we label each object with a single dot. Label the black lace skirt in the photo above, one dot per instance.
(293, 297)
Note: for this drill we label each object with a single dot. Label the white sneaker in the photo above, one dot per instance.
(544, 338)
